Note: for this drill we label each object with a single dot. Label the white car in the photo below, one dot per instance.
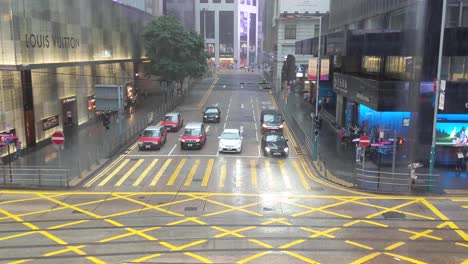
(230, 141)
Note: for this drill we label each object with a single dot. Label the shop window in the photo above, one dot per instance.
(290, 32)
(371, 64)
(203, 1)
(216, 1)
(399, 67)
(229, 1)
(457, 69)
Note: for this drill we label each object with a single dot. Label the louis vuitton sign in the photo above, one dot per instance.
(55, 41)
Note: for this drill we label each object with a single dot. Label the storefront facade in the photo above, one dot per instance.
(53, 53)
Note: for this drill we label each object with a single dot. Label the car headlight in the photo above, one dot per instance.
(216, 116)
(286, 149)
(264, 125)
(205, 116)
(197, 140)
(267, 149)
(183, 140)
(281, 126)
(140, 144)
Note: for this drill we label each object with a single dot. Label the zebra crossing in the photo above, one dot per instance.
(253, 173)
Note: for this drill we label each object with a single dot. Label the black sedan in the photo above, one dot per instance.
(275, 144)
(212, 114)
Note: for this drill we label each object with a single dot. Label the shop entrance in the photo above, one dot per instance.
(69, 111)
(28, 107)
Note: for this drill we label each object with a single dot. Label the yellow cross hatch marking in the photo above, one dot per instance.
(222, 178)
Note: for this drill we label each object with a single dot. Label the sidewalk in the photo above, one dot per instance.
(91, 144)
(341, 160)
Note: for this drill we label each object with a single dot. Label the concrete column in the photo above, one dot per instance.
(217, 33)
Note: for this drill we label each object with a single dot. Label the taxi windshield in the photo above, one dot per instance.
(192, 132)
(170, 118)
(151, 133)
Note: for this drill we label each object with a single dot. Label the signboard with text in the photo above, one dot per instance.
(50, 122)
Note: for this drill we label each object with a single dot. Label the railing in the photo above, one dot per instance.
(34, 176)
(381, 181)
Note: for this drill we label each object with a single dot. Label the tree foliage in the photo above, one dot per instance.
(175, 53)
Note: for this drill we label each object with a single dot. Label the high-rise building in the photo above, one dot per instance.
(229, 28)
(183, 10)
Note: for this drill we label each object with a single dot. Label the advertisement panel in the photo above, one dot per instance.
(324, 70)
(302, 6)
(451, 130)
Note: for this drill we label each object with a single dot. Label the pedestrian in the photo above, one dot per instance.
(18, 149)
(460, 161)
(358, 153)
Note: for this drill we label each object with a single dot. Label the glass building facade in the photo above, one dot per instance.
(52, 53)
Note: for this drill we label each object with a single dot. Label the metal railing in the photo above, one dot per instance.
(382, 181)
(35, 176)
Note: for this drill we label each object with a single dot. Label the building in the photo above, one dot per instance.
(293, 21)
(52, 53)
(183, 10)
(230, 31)
(384, 58)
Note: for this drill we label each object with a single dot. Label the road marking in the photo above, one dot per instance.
(241, 130)
(205, 98)
(209, 169)
(172, 150)
(256, 133)
(238, 174)
(365, 259)
(106, 170)
(147, 170)
(242, 106)
(222, 178)
(192, 173)
(201, 155)
(146, 258)
(259, 151)
(208, 128)
(110, 176)
(287, 182)
(160, 172)
(269, 173)
(125, 177)
(253, 172)
(68, 224)
(176, 172)
(225, 125)
(304, 182)
(358, 245)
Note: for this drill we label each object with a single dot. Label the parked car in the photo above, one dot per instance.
(212, 114)
(271, 121)
(275, 144)
(173, 122)
(154, 137)
(230, 141)
(194, 136)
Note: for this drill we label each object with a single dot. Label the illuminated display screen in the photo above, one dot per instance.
(451, 130)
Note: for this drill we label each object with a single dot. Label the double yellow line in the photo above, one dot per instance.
(205, 98)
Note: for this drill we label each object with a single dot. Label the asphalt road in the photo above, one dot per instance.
(199, 206)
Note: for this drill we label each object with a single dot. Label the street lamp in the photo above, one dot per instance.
(316, 119)
(436, 104)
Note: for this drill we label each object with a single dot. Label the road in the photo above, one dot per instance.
(200, 206)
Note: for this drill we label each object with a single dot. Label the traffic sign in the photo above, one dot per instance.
(58, 138)
(364, 141)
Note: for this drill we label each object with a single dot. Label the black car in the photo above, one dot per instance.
(272, 121)
(275, 144)
(212, 114)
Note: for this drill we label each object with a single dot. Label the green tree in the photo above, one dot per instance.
(175, 54)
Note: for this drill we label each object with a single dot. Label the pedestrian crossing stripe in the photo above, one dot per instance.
(150, 172)
(160, 173)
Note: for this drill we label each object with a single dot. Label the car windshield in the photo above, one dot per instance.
(230, 136)
(151, 133)
(211, 111)
(272, 118)
(274, 138)
(170, 118)
(192, 132)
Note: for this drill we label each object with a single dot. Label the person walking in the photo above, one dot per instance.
(460, 161)
(18, 149)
